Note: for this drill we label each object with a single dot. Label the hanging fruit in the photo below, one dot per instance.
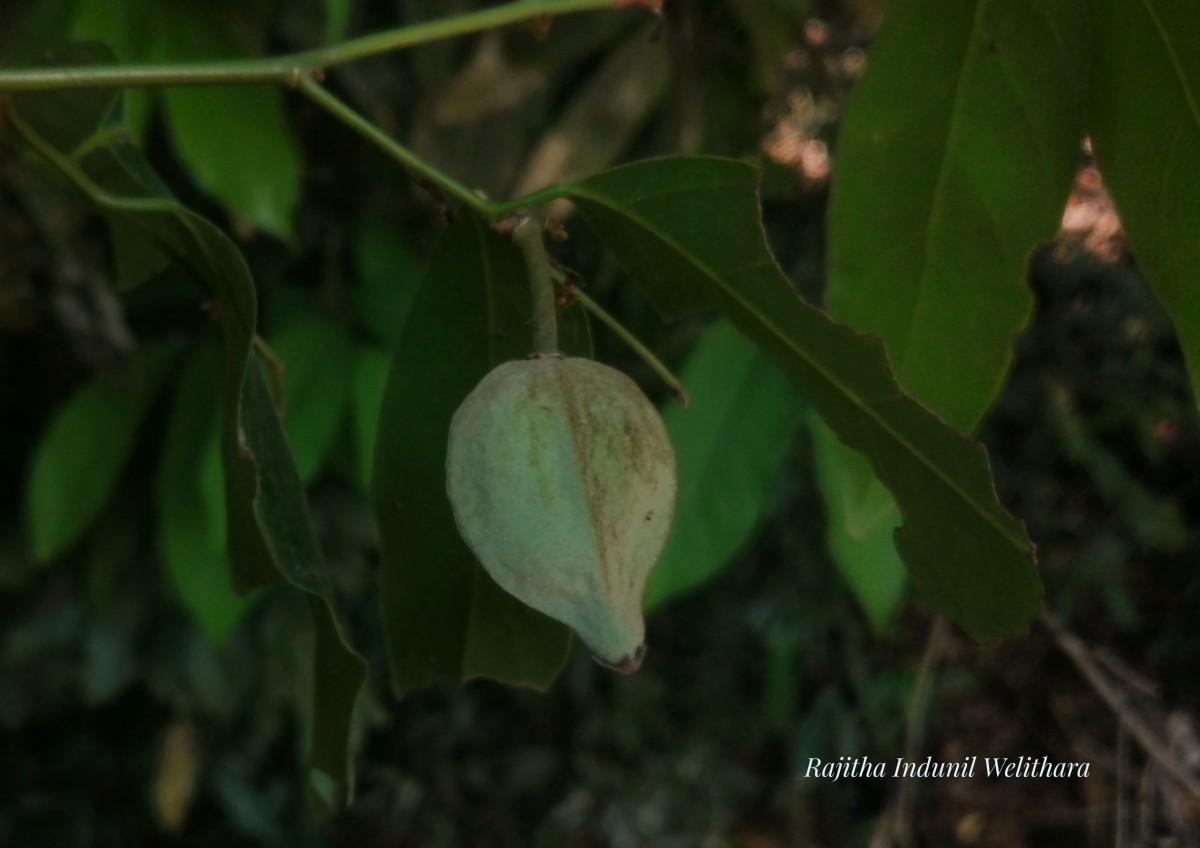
(562, 481)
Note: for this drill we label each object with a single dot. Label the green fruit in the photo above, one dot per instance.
(562, 482)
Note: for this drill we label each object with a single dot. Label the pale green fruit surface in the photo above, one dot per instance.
(562, 482)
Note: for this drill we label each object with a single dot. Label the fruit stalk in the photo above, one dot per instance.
(528, 239)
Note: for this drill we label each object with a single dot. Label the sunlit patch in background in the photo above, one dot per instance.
(1090, 221)
(801, 121)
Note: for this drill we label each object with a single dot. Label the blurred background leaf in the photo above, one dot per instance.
(317, 360)
(131, 30)
(191, 498)
(235, 141)
(83, 453)
(370, 379)
(388, 277)
(730, 442)
(861, 518)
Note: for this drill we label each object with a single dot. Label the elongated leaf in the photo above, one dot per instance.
(280, 508)
(729, 445)
(444, 618)
(316, 357)
(687, 231)
(337, 684)
(387, 277)
(66, 119)
(1145, 127)
(235, 140)
(936, 203)
(938, 198)
(191, 500)
(268, 527)
(337, 13)
(80, 458)
(129, 27)
(370, 379)
(862, 517)
(115, 175)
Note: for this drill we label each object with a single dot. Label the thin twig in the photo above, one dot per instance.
(1120, 814)
(1079, 654)
(896, 825)
(528, 239)
(286, 69)
(411, 162)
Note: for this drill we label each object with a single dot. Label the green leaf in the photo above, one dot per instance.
(79, 460)
(954, 160)
(130, 28)
(280, 508)
(862, 517)
(235, 141)
(267, 523)
(69, 117)
(338, 679)
(687, 231)
(444, 618)
(39, 26)
(191, 500)
(387, 277)
(115, 175)
(1145, 128)
(316, 358)
(729, 442)
(370, 379)
(337, 14)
